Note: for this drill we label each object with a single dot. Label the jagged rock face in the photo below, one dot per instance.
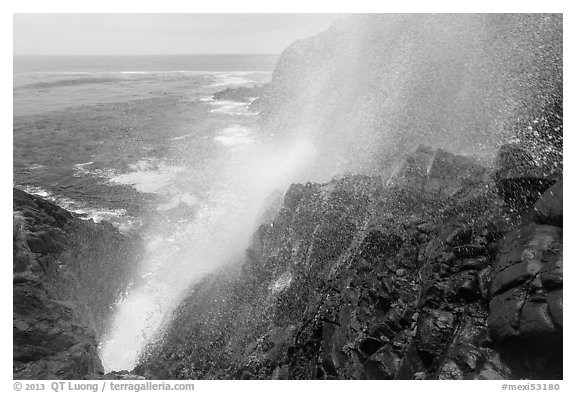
(549, 208)
(353, 279)
(424, 275)
(526, 289)
(239, 94)
(67, 273)
(258, 306)
(375, 86)
(520, 178)
(49, 341)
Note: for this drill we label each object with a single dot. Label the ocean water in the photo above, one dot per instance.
(140, 142)
(106, 136)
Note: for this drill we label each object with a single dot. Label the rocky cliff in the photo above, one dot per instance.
(373, 87)
(431, 266)
(67, 275)
(427, 274)
(439, 271)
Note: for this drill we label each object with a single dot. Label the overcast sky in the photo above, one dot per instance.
(133, 34)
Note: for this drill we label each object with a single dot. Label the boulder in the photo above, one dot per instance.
(414, 166)
(551, 274)
(523, 253)
(384, 364)
(535, 320)
(548, 209)
(464, 286)
(437, 169)
(434, 330)
(450, 370)
(520, 181)
(526, 277)
(554, 300)
(504, 317)
(451, 166)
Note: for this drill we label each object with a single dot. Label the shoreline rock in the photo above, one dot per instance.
(67, 274)
(419, 276)
(356, 279)
(240, 94)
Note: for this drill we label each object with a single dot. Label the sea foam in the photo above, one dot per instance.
(185, 251)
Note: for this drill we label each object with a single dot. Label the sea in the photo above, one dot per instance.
(112, 137)
(141, 142)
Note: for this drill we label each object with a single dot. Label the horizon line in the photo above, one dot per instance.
(149, 54)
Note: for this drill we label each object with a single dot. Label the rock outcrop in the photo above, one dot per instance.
(67, 274)
(428, 274)
(239, 94)
(373, 87)
(521, 181)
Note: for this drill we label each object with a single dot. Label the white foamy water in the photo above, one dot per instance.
(178, 256)
(235, 136)
(118, 217)
(150, 176)
(88, 169)
(179, 200)
(182, 137)
(231, 108)
(80, 170)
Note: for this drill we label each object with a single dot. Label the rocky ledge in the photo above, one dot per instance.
(440, 271)
(444, 269)
(67, 274)
(240, 94)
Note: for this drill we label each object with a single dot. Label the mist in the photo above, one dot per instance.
(355, 98)
(181, 255)
(373, 87)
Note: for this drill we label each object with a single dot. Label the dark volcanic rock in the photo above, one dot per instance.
(357, 280)
(239, 94)
(528, 266)
(372, 87)
(447, 165)
(382, 365)
(520, 179)
(415, 165)
(404, 278)
(67, 274)
(548, 209)
(434, 331)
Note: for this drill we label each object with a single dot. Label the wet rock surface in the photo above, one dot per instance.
(67, 273)
(549, 208)
(239, 94)
(375, 86)
(425, 275)
(520, 180)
